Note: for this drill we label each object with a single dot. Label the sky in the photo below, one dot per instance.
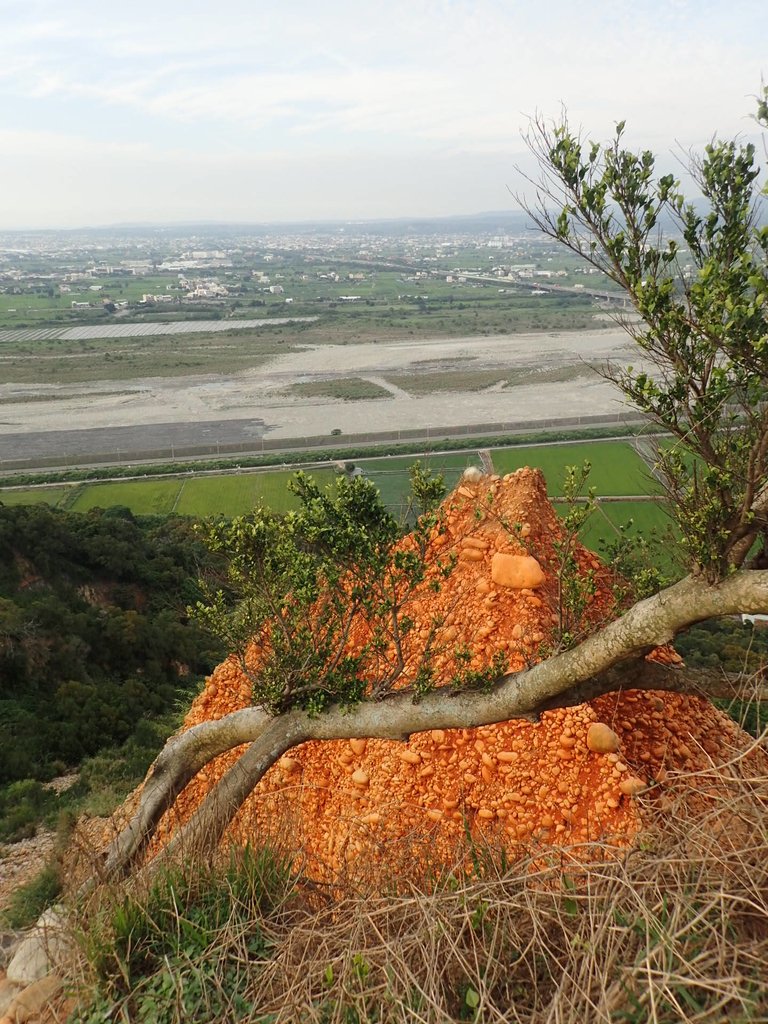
(257, 110)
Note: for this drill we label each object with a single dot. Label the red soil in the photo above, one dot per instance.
(351, 804)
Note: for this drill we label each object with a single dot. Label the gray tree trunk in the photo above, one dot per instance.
(609, 660)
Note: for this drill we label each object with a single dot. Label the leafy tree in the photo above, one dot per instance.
(295, 585)
(703, 337)
(699, 281)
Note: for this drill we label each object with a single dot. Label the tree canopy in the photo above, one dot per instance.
(94, 633)
(696, 273)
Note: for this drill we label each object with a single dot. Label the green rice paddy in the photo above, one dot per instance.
(54, 496)
(616, 466)
(617, 469)
(230, 495)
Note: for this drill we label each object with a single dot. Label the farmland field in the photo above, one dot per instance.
(53, 496)
(92, 332)
(238, 494)
(391, 475)
(610, 516)
(617, 469)
(230, 495)
(648, 518)
(616, 466)
(143, 497)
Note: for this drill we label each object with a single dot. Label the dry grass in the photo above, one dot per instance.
(673, 930)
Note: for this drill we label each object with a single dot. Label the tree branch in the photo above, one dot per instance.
(596, 666)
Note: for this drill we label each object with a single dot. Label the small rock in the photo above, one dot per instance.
(475, 542)
(34, 998)
(36, 955)
(518, 572)
(632, 785)
(601, 739)
(410, 757)
(8, 992)
(360, 778)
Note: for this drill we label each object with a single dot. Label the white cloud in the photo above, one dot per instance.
(415, 80)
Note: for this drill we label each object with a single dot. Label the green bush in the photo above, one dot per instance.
(186, 948)
(22, 805)
(29, 901)
(96, 635)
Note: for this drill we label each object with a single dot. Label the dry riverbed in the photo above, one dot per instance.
(560, 366)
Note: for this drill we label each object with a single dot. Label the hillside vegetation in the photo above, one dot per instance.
(94, 635)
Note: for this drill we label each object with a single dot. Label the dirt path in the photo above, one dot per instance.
(21, 861)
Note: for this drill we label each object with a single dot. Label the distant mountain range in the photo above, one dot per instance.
(496, 222)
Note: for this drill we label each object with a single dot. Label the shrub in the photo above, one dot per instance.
(29, 901)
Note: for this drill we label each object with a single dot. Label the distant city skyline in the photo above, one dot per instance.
(257, 112)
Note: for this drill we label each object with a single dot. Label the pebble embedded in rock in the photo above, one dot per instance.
(631, 785)
(410, 757)
(516, 572)
(601, 739)
(475, 542)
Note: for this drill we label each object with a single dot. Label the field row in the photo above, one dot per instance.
(145, 330)
(617, 470)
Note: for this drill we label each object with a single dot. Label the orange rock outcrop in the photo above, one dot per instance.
(572, 777)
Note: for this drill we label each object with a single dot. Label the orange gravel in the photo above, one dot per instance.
(353, 804)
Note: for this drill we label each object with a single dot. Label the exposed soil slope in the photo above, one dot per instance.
(351, 804)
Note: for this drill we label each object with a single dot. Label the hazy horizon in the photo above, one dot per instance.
(252, 114)
(506, 219)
